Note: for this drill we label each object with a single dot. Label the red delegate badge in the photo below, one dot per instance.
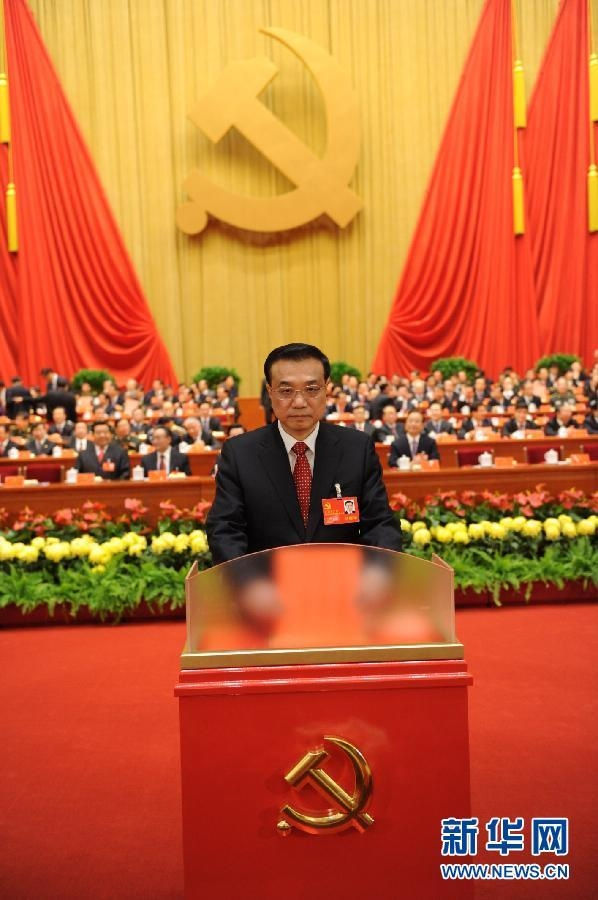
(340, 510)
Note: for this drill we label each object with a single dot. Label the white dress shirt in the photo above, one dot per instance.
(290, 441)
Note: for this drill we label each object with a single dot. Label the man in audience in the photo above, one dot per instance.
(391, 428)
(475, 421)
(164, 456)
(591, 420)
(20, 430)
(480, 390)
(561, 393)
(156, 390)
(520, 423)
(123, 436)
(80, 437)
(195, 435)
(138, 424)
(415, 443)
(436, 424)
(39, 444)
(527, 396)
(224, 401)
(104, 457)
(467, 399)
(61, 426)
(208, 422)
(61, 396)
(360, 422)
(564, 419)
(18, 398)
(6, 443)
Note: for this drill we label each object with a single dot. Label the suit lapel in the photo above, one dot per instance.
(326, 469)
(273, 456)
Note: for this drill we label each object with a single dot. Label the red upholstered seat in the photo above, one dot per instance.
(8, 470)
(43, 473)
(467, 457)
(591, 450)
(535, 455)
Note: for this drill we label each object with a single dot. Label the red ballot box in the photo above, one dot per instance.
(324, 733)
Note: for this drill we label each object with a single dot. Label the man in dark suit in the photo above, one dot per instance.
(360, 422)
(591, 420)
(208, 423)
(415, 443)
(80, 437)
(5, 442)
(520, 423)
(104, 457)
(562, 419)
(164, 455)
(39, 444)
(271, 481)
(436, 424)
(61, 397)
(18, 398)
(61, 425)
(391, 428)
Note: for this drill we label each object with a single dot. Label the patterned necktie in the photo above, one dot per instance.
(414, 443)
(302, 478)
(161, 462)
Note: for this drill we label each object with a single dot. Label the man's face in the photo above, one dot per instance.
(359, 414)
(102, 435)
(81, 431)
(480, 385)
(161, 440)
(298, 413)
(59, 415)
(561, 385)
(123, 428)
(565, 415)
(389, 415)
(39, 433)
(192, 429)
(414, 424)
(435, 412)
(204, 410)
(521, 417)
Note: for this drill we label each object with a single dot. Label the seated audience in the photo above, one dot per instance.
(520, 423)
(224, 401)
(61, 426)
(39, 444)
(391, 428)
(61, 396)
(80, 437)
(475, 421)
(124, 436)
(208, 422)
(104, 457)
(436, 424)
(18, 398)
(563, 418)
(414, 443)
(194, 434)
(561, 393)
(164, 456)
(6, 443)
(360, 422)
(591, 420)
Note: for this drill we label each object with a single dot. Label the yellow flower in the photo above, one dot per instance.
(563, 519)
(51, 540)
(99, 554)
(586, 527)
(98, 569)
(115, 545)
(28, 554)
(181, 543)
(422, 536)
(532, 528)
(168, 539)
(158, 545)
(476, 531)
(199, 541)
(6, 551)
(417, 525)
(518, 523)
(552, 521)
(497, 531)
(460, 536)
(405, 525)
(58, 551)
(443, 535)
(138, 546)
(569, 530)
(552, 530)
(81, 546)
(507, 522)
(38, 542)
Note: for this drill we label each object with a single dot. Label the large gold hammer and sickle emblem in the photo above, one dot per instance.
(352, 810)
(321, 183)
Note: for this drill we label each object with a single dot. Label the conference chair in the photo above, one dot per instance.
(591, 450)
(43, 473)
(534, 455)
(8, 470)
(467, 457)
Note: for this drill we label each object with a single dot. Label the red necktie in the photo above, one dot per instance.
(302, 478)
(100, 456)
(161, 462)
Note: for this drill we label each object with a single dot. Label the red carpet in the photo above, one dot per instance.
(89, 804)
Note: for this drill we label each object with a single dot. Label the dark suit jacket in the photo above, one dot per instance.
(66, 399)
(18, 399)
(380, 434)
(368, 429)
(401, 447)
(9, 446)
(552, 426)
(444, 427)
(256, 505)
(591, 423)
(511, 427)
(179, 462)
(66, 431)
(46, 449)
(87, 461)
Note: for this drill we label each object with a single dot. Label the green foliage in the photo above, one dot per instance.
(562, 360)
(340, 368)
(451, 365)
(94, 377)
(215, 375)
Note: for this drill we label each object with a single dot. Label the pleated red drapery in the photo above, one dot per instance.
(78, 301)
(565, 254)
(8, 286)
(467, 285)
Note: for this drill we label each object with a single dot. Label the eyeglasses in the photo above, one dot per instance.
(311, 392)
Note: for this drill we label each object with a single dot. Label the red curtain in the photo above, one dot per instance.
(467, 285)
(565, 254)
(78, 301)
(8, 286)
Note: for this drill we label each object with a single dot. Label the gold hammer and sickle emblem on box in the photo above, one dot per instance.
(353, 806)
(321, 183)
